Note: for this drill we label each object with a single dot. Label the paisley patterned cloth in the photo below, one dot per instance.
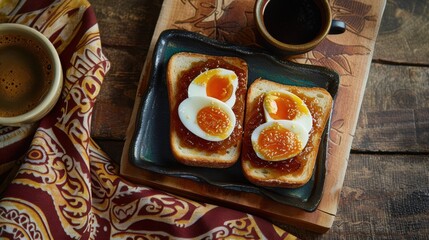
(65, 186)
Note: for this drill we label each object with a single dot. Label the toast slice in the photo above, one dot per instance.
(296, 171)
(188, 148)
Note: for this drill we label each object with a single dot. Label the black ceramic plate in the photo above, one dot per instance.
(150, 147)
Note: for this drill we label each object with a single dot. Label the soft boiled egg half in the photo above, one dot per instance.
(279, 140)
(284, 105)
(286, 130)
(207, 117)
(217, 83)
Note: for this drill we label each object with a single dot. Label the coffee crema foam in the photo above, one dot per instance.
(25, 75)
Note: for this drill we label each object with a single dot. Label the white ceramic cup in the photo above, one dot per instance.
(50, 94)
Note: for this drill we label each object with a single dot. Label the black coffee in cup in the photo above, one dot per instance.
(289, 27)
(293, 21)
(25, 75)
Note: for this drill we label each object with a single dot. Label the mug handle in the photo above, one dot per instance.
(337, 27)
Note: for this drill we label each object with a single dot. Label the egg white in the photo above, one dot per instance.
(303, 117)
(293, 126)
(198, 86)
(189, 108)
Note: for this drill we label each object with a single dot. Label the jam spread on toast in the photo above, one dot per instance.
(291, 165)
(188, 139)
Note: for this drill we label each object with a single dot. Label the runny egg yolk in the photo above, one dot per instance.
(278, 143)
(219, 87)
(217, 83)
(213, 121)
(281, 106)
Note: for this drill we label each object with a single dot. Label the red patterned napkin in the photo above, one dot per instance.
(66, 187)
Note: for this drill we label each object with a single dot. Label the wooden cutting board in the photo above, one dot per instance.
(349, 54)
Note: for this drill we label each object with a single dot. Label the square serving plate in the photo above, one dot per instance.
(150, 146)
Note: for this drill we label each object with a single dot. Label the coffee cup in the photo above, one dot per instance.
(295, 26)
(31, 76)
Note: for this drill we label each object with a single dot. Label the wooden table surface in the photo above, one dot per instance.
(385, 194)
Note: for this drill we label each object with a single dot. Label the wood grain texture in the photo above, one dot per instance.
(350, 54)
(395, 209)
(126, 30)
(404, 33)
(378, 202)
(395, 113)
(113, 106)
(128, 23)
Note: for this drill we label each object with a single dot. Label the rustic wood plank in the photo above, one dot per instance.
(127, 23)
(404, 33)
(380, 199)
(113, 107)
(395, 111)
(377, 201)
(140, 19)
(349, 53)
(318, 221)
(365, 211)
(126, 30)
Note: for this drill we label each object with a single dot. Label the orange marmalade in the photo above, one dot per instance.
(291, 165)
(188, 139)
